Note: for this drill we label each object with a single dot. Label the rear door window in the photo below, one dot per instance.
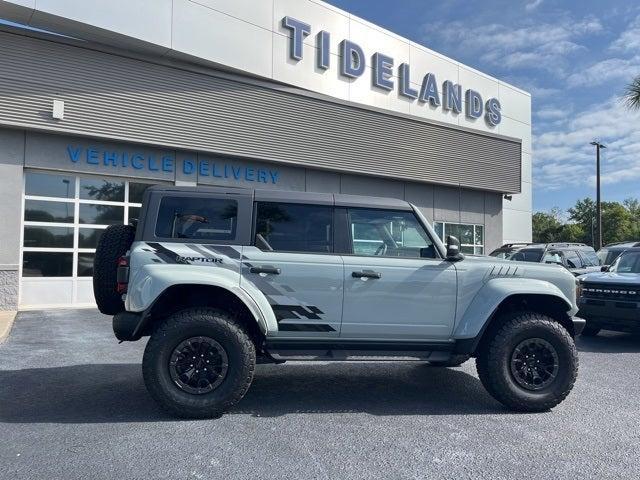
(572, 259)
(290, 227)
(197, 218)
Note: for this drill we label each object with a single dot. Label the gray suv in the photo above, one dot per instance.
(222, 278)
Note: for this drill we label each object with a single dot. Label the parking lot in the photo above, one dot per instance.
(73, 405)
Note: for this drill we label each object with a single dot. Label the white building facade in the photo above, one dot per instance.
(113, 96)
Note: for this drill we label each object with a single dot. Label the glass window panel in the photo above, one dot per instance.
(43, 211)
(88, 237)
(101, 214)
(134, 212)
(294, 228)
(572, 259)
(100, 189)
(467, 249)
(479, 251)
(197, 218)
(48, 237)
(47, 264)
(479, 235)
(388, 233)
(136, 191)
(466, 234)
(48, 185)
(85, 264)
(439, 228)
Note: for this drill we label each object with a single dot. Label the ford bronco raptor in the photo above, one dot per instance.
(221, 278)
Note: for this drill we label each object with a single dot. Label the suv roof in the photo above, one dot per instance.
(622, 245)
(558, 245)
(337, 199)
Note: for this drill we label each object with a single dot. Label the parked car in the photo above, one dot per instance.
(610, 252)
(578, 258)
(222, 277)
(610, 299)
(508, 249)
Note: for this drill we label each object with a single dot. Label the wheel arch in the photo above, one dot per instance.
(180, 296)
(552, 305)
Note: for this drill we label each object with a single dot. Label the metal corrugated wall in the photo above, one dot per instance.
(111, 96)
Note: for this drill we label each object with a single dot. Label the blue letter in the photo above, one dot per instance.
(248, 174)
(324, 52)
(92, 157)
(214, 170)
(299, 30)
(136, 161)
(167, 164)
(262, 176)
(474, 104)
(452, 97)
(152, 164)
(405, 82)
(274, 176)
(74, 155)
(429, 90)
(352, 61)
(236, 172)
(204, 168)
(382, 71)
(493, 115)
(188, 167)
(110, 158)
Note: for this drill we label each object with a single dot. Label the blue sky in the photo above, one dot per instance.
(575, 57)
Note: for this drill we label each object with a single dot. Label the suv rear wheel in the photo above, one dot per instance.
(198, 363)
(529, 364)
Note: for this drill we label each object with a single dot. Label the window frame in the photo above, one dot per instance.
(331, 207)
(347, 239)
(462, 245)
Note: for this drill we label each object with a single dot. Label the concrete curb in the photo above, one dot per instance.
(6, 322)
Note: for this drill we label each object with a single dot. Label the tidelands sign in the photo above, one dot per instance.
(353, 65)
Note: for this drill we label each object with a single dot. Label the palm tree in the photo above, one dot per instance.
(632, 94)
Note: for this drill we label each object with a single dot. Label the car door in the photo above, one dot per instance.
(391, 291)
(292, 263)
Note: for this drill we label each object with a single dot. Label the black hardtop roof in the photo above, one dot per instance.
(337, 199)
(631, 250)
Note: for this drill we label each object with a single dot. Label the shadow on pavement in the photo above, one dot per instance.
(107, 393)
(609, 342)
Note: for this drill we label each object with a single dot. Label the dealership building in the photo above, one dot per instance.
(100, 99)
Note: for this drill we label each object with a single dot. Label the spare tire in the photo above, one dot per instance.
(113, 244)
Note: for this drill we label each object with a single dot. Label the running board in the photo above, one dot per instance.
(378, 351)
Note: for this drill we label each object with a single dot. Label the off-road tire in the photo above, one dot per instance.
(454, 361)
(218, 325)
(590, 330)
(114, 242)
(494, 360)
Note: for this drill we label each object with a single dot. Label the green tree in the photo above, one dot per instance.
(546, 226)
(632, 94)
(617, 220)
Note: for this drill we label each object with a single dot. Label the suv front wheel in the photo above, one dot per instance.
(529, 364)
(198, 363)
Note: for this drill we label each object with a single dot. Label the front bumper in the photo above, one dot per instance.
(611, 314)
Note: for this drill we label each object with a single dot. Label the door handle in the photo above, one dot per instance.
(271, 270)
(366, 274)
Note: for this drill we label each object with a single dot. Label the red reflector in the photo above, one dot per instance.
(122, 275)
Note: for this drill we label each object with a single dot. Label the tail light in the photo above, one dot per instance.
(122, 275)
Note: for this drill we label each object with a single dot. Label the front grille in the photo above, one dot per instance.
(630, 293)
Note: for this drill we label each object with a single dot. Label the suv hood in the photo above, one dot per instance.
(611, 278)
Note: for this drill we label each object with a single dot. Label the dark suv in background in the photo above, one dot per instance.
(578, 258)
(508, 249)
(610, 252)
(611, 299)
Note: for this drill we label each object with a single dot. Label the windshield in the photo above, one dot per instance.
(607, 256)
(628, 262)
(500, 253)
(527, 255)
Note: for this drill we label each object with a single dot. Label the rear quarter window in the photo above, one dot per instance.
(197, 218)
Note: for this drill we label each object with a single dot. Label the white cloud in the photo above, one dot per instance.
(629, 40)
(605, 71)
(564, 157)
(552, 113)
(529, 7)
(544, 46)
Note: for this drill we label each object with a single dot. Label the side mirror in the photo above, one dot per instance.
(605, 268)
(453, 249)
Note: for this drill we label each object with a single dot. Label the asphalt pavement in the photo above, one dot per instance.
(73, 406)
